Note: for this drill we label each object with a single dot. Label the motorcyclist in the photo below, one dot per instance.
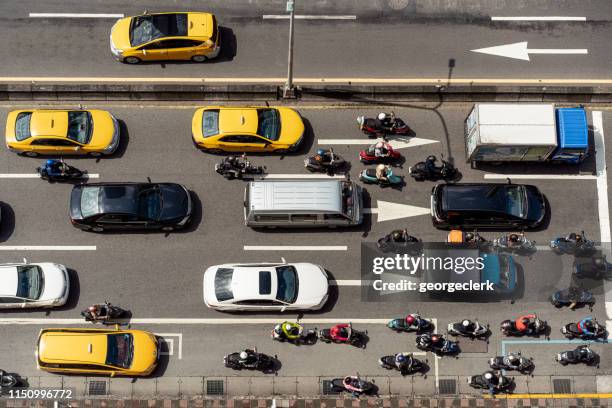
(587, 326)
(399, 235)
(468, 326)
(513, 359)
(403, 360)
(430, 164)
(247, 356)
(341, 332)
(94, 311)
(514, 240)
(413, 320)
(525, 323)
(386, 120)
(574, 238)
(381, 173)
(380, 149)
(491, 380)
(352, 384)
(290, 330)
(55, 167)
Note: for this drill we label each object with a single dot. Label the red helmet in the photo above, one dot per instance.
(435, 339)
(92, 308)
(410, 319)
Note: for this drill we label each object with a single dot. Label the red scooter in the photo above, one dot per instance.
(390, 125)
(379, 152)
(343, 333)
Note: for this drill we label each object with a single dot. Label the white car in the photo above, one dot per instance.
(265, 287)
(33, 285)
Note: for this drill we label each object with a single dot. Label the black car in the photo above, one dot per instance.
(130, 206)
(487, 205)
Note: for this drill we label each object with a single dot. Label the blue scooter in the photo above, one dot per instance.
(368, 176)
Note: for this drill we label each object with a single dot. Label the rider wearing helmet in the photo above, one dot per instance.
(467, 325)
(381, 172)
(411, 320)
(469, 237)
(94, 311)
(246, 356)
(587, 326)
(523, 323)
(430, 164)
(513, 359)
(291, 331)
(507, 326)
(385, 120)
(54, 167)
(513, 239)
(403, 360)
(341, 332)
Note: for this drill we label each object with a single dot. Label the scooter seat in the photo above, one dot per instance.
(370, 173)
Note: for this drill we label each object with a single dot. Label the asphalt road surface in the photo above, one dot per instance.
(159, 276)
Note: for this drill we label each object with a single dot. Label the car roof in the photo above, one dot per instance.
(49, 123)
(296, 195)
(242, 120)
(469, 197)
(73, 346)
(246, 281)
(118, 198)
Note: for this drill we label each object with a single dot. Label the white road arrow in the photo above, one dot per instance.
(392, 211)
(395, 143)
(520, 51)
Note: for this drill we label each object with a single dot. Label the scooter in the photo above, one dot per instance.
(595, 267)
(569, 245)
(107, 313)
(427, 170)
(572, 330)
(373, 127)
(420, 324)
(520, 364)
(536, 327)
(298, 336)
(412, 365)
(468, 328)
(239, 167)
(386, 155)
(572, 296)
(522, 245)
(8, 381)
(497, 383)
(352, 384)
(581, 354)
(405, 242)
(349, 336)
(460, 237)
(442, 346)
(254, 361)
(327, 162)
(368, 176)
(49, 169)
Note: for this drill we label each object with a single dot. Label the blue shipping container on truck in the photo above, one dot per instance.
(573, 133)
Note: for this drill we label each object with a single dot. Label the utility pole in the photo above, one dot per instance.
(289, 89)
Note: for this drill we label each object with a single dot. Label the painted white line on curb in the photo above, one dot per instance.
(295, 248)
(346, 282)
(540, 176)
(543, 18)
(48, 247)
(187, 321)
(308, 17)
(302, 176)
(75, 15)
(37, 176)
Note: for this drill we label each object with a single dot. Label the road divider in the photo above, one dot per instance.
(48, 248)
(396, 142)
(295, 247)
(75, 15)
(387, 211)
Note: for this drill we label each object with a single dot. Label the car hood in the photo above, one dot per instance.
(56, 282)
(176, 201)
(103, 129)
(209, 285)
(145, 351)
(535, 204)
(313, 284)
(120, 33)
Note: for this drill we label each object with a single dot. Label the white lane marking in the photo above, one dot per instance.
(436, 357)
(520, 51)
(543, 248)
(302, 176)
(392, 211)
(187, 321)
(308, 17)
(396, 143)
(169, 339)
(540, 176)
(602, 198)
(345, 282)
(542, 18)
(295, 248)
(75, 15)
(48, 247)
(36, 176)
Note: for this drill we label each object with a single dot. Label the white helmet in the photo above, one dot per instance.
(488, 376)
(382, 116)
(465, 323)
(512, 357)
(243, 355)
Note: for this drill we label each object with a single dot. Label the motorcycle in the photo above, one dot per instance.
(397, 240)
(571, 245)
(326, 162)
(58, 170)
(521, 244)
(347, 335)
(368, 176)
(105, 313)
(419, 325)
(596, 267)
(382, 154)
(470, 238)
(428, 170)
(293, 333)
(254, 361)
(573, 330)
(572, 297)
(373, 127)
(536, 327)
(7, 381)
(239, 167)
(512, 362)
(497, 383)
(468, 328)
(352, 384)
(581, 354)
(442, 346)
(412, 365)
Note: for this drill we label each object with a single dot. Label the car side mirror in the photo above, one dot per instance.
(144, 51)
(283, 308)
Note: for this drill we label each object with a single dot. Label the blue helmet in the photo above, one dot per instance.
(50, 162)
(320, 152)
(400, 358)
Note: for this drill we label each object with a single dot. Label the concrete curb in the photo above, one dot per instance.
(324, 92)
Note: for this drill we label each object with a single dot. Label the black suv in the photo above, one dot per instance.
(487, 205)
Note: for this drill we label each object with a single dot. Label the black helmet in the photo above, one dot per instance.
(397, 235)
(431, 158)
(572, 236)
(599, 261)
(506, 325)
(469, 236)
(514, 237)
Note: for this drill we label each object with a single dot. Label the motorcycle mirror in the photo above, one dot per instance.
(509, 181)
(25, 261)
(283, 260)
(148, 179)
(117, 326)
(283, 308)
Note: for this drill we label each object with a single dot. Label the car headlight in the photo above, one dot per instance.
(116, 51)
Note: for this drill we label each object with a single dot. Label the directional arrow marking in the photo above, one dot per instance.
(392, 211)
(520, 51)
(395, 143)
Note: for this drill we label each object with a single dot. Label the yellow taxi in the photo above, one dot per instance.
(50, 131)
(247, 129)
(97, 351)
(166, 36)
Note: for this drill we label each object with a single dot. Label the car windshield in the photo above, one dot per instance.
(287, 289)
(29, 282)
(90, 201)
(210, 123)
(150, 202)
(22, 126)
(268, 123)
(79, 126)
(223, 284)
(119, 350)
(515, 199)
(149, 27)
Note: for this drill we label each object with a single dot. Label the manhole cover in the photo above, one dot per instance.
(562, 386)
(97, 388)
(214, 387)
(328, 389)
(448, 387)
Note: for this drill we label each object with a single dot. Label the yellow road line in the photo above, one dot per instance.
(549, 396)
(308, 80)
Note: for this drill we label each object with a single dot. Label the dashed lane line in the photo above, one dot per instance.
(37, 176)
(48, 247)
(539, 18)
(75, 15)
(308, 17)
(295, 248)
(302, 176)
(497, 176)
(186, 321)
